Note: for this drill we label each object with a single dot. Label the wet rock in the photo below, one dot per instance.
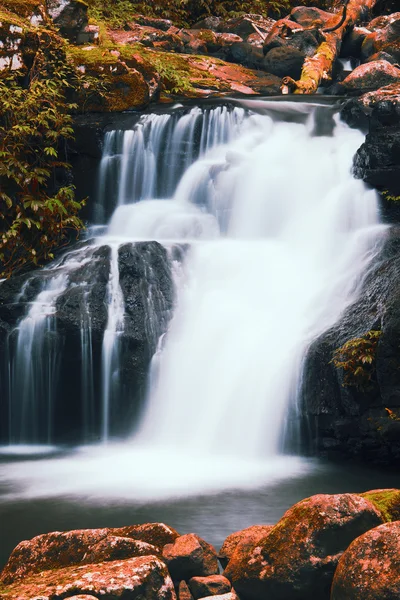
(85, 546)
(119, 548)
(162, 24)
(371, 76)
(245, 54)
(284, 61)
(298, 557)
(310, 16)
(384, 38)
(370, 567)
(156, 534)
(246, 25)
(352, 42)
(81, 597)
(288, 33)
(213, 585)
(242, 542)
(134, 578)
(190, 556)
(381, 56)
(70, 16)
(357, 417)
(150, 37)
(128, 87)
(387, 501)
(212, 23)
(50, 551)
(229, 596)
(184, 591)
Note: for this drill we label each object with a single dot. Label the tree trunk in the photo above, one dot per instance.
(318, 67)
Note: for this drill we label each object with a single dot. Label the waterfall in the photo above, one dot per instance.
(267, 237)
(290, 233)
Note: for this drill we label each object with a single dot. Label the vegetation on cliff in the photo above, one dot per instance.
(37, 214)
(181, 12)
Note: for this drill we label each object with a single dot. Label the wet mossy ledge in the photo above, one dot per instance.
(330, 547)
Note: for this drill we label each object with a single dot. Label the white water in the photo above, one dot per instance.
(299, 233)
(110, 348)
(280, 236)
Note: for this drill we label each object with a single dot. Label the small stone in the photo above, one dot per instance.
(214, 585)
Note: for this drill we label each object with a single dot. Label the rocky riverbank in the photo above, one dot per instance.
(326, 547)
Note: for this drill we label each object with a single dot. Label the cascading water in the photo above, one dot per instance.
(274, 236)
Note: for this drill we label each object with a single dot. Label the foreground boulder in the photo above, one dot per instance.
(135, 578)
(85, 546)
(242, 542)
(298, 557)
(370, 567)
(190, 556)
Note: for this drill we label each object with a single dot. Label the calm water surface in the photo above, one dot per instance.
(212, 516)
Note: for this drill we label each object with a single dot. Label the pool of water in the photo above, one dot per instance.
(42, 493)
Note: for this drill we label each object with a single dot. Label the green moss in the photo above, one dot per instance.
(22, 8)
(386, 501)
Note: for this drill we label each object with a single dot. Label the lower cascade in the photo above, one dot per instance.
(185, 324)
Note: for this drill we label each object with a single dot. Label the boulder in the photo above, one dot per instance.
(312, 17)
(213, 585)
(286, 32)
(119, 548)
(70, 16)
(381, 56)
(50, 551)
(246, 25)
(284, 61)
(242, 541)
(245, 54)
(190, 556)
(383, 39)
(298, 557)
(387, 501)
(372, 76)
(370, 567)
(134, 578)
(352, 42)
(212, 23)
(156, 534)
(151, 37)
(184, 591)
(84, 546)
(162, 24)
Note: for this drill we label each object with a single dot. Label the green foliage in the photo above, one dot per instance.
(34, 120)
(357, 358)
(389, 197)
(182, 12)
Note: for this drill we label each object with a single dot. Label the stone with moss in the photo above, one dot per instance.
(387, 501)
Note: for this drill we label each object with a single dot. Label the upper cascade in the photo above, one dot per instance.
(238, 235)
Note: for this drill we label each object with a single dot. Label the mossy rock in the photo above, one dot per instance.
(22, 8)
(387, 501)
(108, 83)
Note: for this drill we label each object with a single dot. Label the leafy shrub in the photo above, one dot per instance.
(357, 358)
(34, 120)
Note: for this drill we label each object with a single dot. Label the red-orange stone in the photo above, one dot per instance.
(370, 567)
